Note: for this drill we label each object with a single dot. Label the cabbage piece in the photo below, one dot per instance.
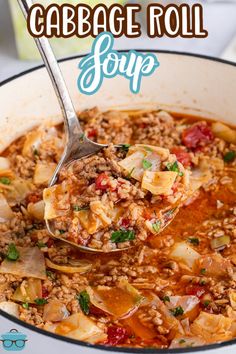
(101, 211)
(89, 221)
(36, 210)
(81, 267)
(163, 153)
(219, 243)
(133, 165)
(214, 265)
(224, 132)
(10, 307)
(32, 142)
(120, 301)
(28, 291)
(19, 190)
(4, 164)
(139, 329)
(187, 342)
(30, 264)
(213, 328)
(159, 183)
(55, 311)
(79, 326)
(56, 199)
(6, 213)
(182, 252)
(43, 172)
(188, 303)
(232, 298)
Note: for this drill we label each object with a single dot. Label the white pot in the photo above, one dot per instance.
(183, 83)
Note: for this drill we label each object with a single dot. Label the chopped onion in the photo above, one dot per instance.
(30, 264)
(127, 299)
(6, 213)
(36, 210)
(55, 311)
(83, 267)
(4, 163)
(224, 132)
(43, 172)
(184, 253)
(89, 221)
(159, 183)
(10, 307)
(219, 243)
(28, 291)
(79, 326)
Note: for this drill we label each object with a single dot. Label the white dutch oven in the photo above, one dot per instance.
(183, 83)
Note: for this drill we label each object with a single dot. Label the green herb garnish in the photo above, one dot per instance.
(50, 275)
(203, 271)
(122, 236)
(206, 303)
(130, 173)
(36, 153)
(12, 253)
(41, 244)
(229, 156)
(25, 305)
(166, 298)
(182, 341)
(174, 167)
(156, 226)
(62, 232)
(84, 301)
(178, 311)
(146, 164)
(194, 240)
(5, 180)
(125, 147)
(148, 148)
(202, 282)
(41, 301)
(77, 208)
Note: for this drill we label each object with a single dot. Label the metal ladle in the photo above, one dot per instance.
(77, 144)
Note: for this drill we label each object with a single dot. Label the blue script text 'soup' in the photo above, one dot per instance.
(105, 62)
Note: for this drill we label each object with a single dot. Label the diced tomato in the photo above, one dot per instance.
(195, 290)
(102, 182)
(182, 156)
(199, 134)
(33, 197)
(116, 335)
(92, 133)
(125, 223)
(45, 292)
(143, 125)
(50, 243)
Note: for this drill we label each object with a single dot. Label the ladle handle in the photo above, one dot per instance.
(72, 125)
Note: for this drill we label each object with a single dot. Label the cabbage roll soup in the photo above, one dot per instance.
(174, 287)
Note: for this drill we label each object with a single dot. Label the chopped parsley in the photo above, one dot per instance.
(206, 303)
(177, 311)
(182, 341)
(194, 240)
(77, 208)
(229, 156)
(50, 274)
(130, 173)
(41, 301)
(166, 298)
(62, 232)
(146, 164)
(25, 305)
(156, 226)
(5, 180)
(203, 271)
(122, 236)
(84, 301)
(147, 148)
(12, 253)
(81, 138)
(202, 282)
(41, 244)
(36, 153)
(125, 147)
(174, 167)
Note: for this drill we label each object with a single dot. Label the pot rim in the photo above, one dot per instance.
(103, 347)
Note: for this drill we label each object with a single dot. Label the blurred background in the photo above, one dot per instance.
(18, 51)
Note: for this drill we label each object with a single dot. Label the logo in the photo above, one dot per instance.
(13, 341)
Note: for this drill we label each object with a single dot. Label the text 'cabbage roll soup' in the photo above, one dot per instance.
(172, 287)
